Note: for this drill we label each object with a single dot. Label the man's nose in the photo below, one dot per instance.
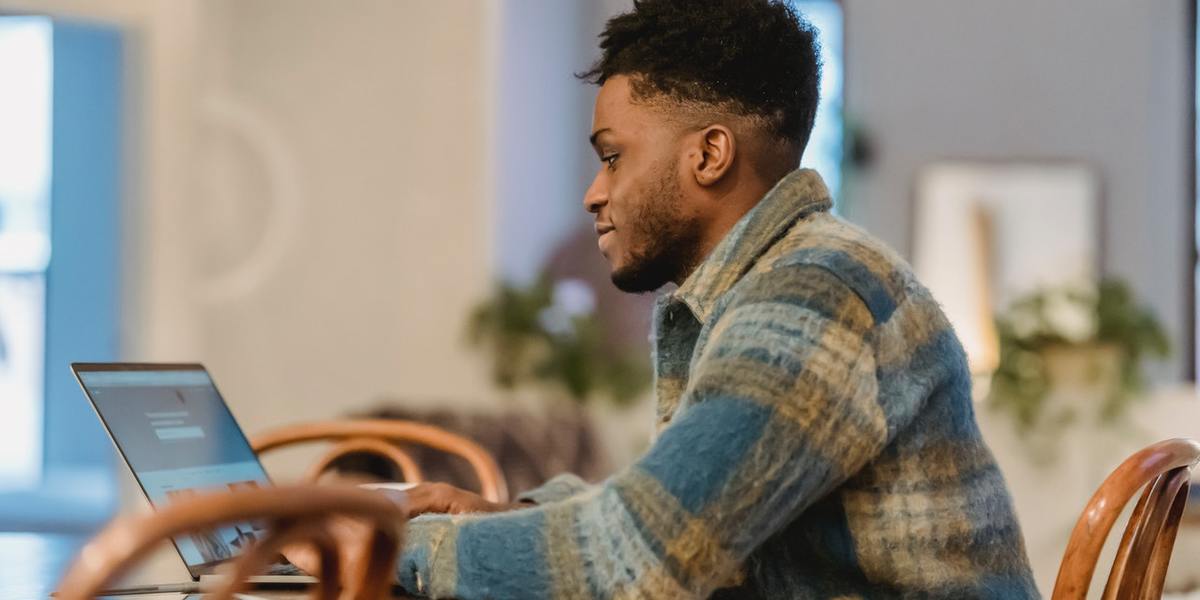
(595, 197)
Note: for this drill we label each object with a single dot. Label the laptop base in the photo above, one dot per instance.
(207, 582)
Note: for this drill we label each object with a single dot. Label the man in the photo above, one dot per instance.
(816, 436)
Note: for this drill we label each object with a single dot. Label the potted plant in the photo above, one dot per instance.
(1069, 353)
(548, 333)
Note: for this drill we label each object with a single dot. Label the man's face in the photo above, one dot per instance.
(648, 230)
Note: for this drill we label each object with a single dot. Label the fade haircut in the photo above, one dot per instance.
(757, 59)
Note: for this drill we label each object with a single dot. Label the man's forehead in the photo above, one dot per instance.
(615, 92)
(615, 109)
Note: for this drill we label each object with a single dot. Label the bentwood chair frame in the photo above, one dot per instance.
(1163, 471)
(292, 515)
(380, 437)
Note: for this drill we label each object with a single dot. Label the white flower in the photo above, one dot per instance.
(570, 300)
(555, 321)
(574, 298)
(1025, 323)
(1073, 318)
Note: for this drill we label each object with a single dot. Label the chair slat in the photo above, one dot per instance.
(1162, 496)
(1156, 572)
(1113, 585)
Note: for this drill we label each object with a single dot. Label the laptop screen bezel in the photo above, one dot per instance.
(78, 368)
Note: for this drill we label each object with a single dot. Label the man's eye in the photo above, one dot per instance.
(611, 160)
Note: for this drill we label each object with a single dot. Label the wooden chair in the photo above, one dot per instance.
(292, 514)
(379, 437)
(1163, 470)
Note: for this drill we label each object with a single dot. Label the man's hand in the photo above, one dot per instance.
(351, 534)
(348, 533)
(445, 498)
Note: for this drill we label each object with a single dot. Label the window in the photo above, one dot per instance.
(824, 152)
(25, 107)
(60, 189)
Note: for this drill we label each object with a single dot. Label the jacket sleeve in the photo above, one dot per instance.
(781, 407)
(559, 487)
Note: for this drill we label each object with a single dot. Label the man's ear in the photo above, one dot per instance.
(713, 154)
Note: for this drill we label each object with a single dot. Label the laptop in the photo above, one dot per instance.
(171, 426)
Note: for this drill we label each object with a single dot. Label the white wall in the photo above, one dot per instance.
(373, 121)
(310, 201)
(1104, 81)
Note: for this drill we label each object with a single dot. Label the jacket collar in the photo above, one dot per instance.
(798, 194)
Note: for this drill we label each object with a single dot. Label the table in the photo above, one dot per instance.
(31, 564)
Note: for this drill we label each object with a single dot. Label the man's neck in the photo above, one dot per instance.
(733, 206)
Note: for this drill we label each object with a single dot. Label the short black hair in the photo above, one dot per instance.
(758, 58)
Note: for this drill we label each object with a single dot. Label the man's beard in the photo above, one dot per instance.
(671, 240)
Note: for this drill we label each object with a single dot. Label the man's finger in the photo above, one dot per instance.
(426, 498)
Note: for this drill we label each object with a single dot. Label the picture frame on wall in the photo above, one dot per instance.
(986, 233)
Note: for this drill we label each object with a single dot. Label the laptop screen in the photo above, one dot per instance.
(179, 438)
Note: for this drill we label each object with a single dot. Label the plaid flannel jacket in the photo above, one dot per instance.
(816, 439)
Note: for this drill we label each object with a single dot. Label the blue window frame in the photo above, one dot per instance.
(60, 189)
(825, 146)
(26, 45)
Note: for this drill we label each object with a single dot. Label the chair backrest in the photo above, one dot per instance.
(291, 515)
(379, 437)
(1162, 471)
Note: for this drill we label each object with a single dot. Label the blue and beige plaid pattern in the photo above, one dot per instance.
(816, 439)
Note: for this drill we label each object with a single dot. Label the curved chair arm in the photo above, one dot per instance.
(1156, 465)
(292, 514)
(408, 467)
(491, 481)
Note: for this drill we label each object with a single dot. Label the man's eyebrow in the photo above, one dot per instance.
(596, 134)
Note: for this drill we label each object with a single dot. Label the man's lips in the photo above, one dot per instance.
(602, 230)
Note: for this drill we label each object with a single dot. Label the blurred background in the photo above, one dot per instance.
(374, 207)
